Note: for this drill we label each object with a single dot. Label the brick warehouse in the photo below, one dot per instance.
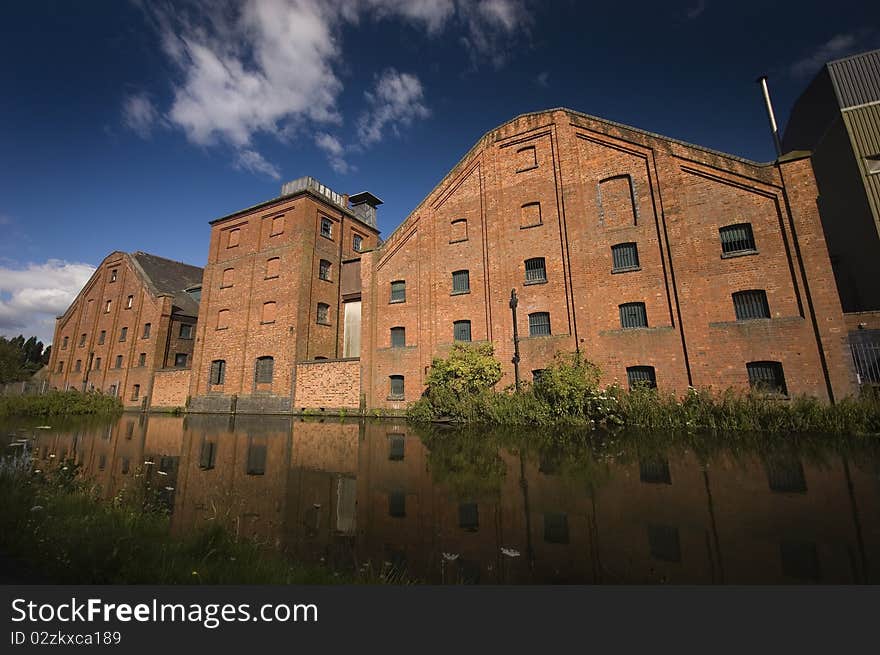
(129, 330)
(658, 260)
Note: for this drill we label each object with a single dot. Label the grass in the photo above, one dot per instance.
(55, 524)
(59, 403)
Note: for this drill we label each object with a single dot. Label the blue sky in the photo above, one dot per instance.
(129, 125)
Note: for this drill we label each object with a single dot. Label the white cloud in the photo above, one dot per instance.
(838, 46)
(139, 114)
(396, 101)
(332, 147)
(252, 161)
(251, 67)
(32, 296)
(543, 79)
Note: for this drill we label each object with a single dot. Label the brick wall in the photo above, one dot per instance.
(330, 384)
(170, 388)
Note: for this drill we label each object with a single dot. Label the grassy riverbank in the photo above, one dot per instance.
(56, 526)
(461, 390)
(59, 403)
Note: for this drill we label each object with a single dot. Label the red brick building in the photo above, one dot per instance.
(133, 321)
(282, 289)
(656, 259)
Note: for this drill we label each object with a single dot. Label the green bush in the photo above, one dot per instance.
(59, 403)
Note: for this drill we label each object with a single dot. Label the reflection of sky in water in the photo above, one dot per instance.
(453, 507)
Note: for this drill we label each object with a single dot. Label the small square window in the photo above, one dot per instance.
(186, 331)
(785, 474)
(114, 274)
(142, 359)
(147, 328)
(633, 315)
(526, 159)
(180, 360)
(118, 361)
(323, 313)
(398, 337)
(767, 377)
(751, 305)
(218, 371)
(123, 334)
(102, 337)
(398, 291)
(654, 470)
(737, 238)
(459, 230)
(624, 257)
(530, 215)
(357, 243)
(326, 228)
(539, 324)
(461, 330)
(536, 270)
(641, 376)
(461, 282)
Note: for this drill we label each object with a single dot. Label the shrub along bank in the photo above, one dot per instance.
(59, 403)
(461, 390)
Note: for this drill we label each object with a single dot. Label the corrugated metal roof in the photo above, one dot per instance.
(856, 79)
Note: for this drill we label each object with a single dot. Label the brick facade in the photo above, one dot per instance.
(566, 187)
(121, 327)
(170, 388)
(328, 385)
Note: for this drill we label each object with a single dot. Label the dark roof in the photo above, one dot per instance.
(856, 79)
(166, 276)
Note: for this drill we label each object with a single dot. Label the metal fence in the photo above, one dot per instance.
(866, 359)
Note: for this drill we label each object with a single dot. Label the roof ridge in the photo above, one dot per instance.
(167, 259)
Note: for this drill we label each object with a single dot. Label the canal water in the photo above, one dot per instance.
(450, 506)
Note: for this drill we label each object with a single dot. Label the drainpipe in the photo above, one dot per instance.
(769, 106)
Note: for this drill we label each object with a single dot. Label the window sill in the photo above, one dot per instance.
(630, 269)
(271, 277)
(276, 234)
(460, 293)
(231, 247)
(266, 322)
(395, 398)
(529, 168)
(738, 253)
(222, 328)
(529, 283)
(189, 338)
(458, 240)
(323, 323)
(396, 302)
(329, 238)
(526, 227)
(325, 279)
(226, 286)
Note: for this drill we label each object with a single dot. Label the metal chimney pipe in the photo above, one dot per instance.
(769, 105)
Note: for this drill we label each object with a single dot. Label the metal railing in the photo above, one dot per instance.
(866, 359)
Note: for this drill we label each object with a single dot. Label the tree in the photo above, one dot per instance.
(20, 358)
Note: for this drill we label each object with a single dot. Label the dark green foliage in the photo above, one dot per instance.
(59, 403)
(568, 392)
(20, 358)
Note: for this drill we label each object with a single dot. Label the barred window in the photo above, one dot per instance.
(461, 281)
(147, 328)
(398, 337)
(750, 305)
(641, 376)
(357, 242)
(398, 291)
(218, 371)
(654, 470)
(324, 270)
(785, 474)
(737, 238)
(186, 331)
(180, 360)
(323, 313)
(395, 447)
(539, 324)
(624, 257)
(767, 376)
(327, 228)
(461, 331)
(264, 369)
(123, 333)
(536, 271)
(633, 315)
(396, 386)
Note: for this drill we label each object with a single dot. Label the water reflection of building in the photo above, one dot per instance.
(450, 510)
